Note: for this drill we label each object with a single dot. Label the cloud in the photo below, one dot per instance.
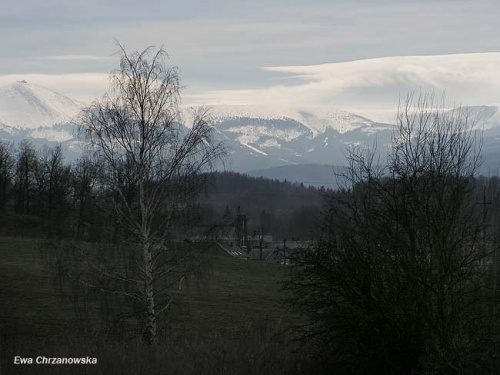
(374, 84)
(74, 58)
(436, 71)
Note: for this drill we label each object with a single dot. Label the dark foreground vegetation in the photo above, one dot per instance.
(404, 278)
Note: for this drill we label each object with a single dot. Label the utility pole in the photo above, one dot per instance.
(484, 225)
(492, 255)
(284, 251)
(260, 232)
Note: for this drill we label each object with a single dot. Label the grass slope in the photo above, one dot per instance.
(230, 321)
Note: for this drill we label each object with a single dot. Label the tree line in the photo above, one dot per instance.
(49, 196)
(42, 194)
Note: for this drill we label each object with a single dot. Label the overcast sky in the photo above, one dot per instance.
(355, 55)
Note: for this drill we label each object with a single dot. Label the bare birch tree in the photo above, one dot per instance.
(152, 165)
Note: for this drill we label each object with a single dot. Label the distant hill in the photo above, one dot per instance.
(316, 175)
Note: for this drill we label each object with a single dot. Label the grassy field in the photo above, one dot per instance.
(230, 321)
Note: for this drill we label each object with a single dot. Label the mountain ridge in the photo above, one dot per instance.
(259, 137)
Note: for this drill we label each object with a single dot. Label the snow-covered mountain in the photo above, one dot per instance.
(317, 119)
(269, 137)
(27, 106)
(259, 137)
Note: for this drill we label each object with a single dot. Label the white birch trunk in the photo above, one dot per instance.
(150, 297)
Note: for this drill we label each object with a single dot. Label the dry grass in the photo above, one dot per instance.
(230, 321)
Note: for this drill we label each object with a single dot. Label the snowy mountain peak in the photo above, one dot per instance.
(317, 119)
(27, 105)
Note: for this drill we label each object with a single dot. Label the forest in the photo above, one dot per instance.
(42, 195)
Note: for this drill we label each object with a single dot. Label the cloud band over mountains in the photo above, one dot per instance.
(371, 86)
(375, 85)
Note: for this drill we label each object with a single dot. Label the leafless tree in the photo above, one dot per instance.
(398, 282)
(52, 180)
(84, 181)
(25, 180)
(7, 164)
(152, 164)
